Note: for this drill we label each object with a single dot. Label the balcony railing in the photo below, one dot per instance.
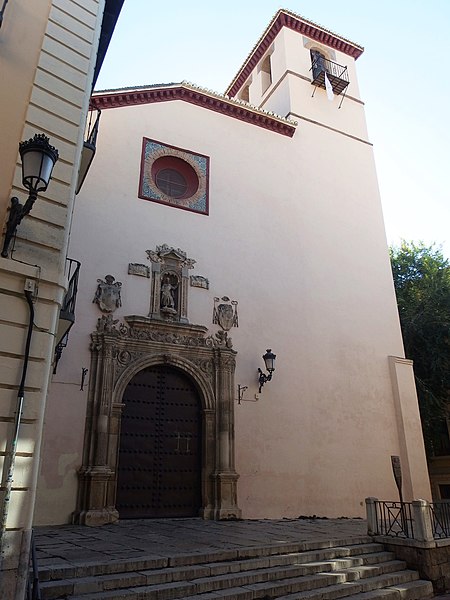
(67, 312)
(418, 520)
(337, 74)
(440, 519)
(68, 305)
(395, 519)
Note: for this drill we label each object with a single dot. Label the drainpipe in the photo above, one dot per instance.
(10, 458)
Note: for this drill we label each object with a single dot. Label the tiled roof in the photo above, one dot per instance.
(188, 92)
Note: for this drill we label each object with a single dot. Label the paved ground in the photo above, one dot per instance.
(71, 544)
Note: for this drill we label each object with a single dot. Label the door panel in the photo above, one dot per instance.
(159, 473)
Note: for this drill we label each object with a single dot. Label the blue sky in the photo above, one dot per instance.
(403, 77)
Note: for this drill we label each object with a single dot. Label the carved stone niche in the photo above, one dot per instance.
(170, 283)
(118, 352)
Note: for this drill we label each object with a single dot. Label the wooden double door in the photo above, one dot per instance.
(159, 467)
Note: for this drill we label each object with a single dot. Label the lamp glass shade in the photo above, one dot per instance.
(38, 160)
(269, 360)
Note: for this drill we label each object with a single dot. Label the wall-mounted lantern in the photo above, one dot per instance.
(38, 159)
(269, 360)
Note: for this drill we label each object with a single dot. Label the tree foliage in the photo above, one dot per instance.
(422, 283)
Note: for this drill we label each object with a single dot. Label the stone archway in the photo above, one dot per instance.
(117, 354)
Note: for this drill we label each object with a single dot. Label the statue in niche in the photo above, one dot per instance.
(169, 285)
(107, 295)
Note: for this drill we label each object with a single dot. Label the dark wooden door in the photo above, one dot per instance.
(159, 472)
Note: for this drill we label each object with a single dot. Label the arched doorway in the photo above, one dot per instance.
(121, 354)
(159, 467)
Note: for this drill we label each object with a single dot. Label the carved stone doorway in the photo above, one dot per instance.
(159, 467)
(119, 352)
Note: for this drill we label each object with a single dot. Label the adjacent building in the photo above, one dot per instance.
(50, 54)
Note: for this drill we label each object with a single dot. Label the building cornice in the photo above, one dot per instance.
(286, 18)
(187, 92)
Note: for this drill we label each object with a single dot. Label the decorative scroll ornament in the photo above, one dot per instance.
(106, 324)
(166, 251)
(107, 295)
(199, 281)
(139, 269)
(219, 340)
(225, 314)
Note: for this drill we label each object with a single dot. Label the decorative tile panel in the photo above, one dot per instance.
(196, 198)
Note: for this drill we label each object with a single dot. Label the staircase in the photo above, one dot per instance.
(322, 571)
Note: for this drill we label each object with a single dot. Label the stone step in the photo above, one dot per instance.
(339, 587)
(416, 589)
(323, 586)
(276, 554)
(356, 566)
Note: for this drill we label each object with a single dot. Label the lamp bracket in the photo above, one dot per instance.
(17, 212)
(263, 378)
(241, 390)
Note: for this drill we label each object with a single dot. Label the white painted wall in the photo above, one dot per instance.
(295, 234)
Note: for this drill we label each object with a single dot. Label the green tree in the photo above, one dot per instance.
(422, 283)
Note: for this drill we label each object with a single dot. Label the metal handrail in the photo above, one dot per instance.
(395, 519)
(320, 64)
(440, 519)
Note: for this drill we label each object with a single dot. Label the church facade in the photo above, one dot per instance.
(212, 230)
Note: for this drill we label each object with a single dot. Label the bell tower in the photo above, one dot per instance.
(301, 71)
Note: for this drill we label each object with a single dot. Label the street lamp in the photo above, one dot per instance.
(38, 159)
(269, 360)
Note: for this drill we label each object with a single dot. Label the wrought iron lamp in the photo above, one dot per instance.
(269, 360)
(38, 159)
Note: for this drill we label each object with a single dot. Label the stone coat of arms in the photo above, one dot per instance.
(107, 295)
(225, 313)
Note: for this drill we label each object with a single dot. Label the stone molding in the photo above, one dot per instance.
(118, 352)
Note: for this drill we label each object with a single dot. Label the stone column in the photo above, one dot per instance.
(423, 529)
(96, 473)
(209, 461)
(371, 512)
(225, 476)
(156, 291)
(184, 295)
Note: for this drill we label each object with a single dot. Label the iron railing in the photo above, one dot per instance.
(68, 305)
(440, 519)
(336, 74)
(67, 312)
(33, 589)
(395, 519)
